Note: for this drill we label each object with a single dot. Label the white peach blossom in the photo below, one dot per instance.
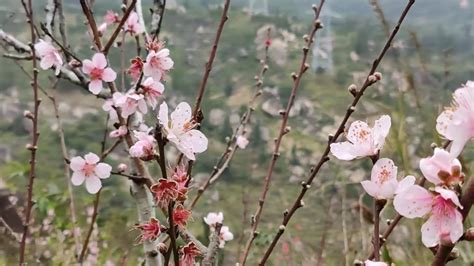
(180, 130)
(383, 181)
(362, 140)
(457, 122)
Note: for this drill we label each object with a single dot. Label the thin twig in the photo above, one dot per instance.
(211, 254)
(162, 163)
(33, 147)
(228, 154)
(62, 27)
(67, 173)
(91, 227)
(86, 9)
(159, 7)
(316, 25)
(333, 138)
(210, 61)
(110, 42)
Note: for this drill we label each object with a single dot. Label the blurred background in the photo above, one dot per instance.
(432, 55)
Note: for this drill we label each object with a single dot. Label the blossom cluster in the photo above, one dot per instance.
(212, 219)
(441, 203)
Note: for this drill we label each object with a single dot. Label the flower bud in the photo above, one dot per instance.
(469, 235)
(28, 114)
(372, 79)
(378, 75)
(122, 167)
(352, 89)
(162, 248)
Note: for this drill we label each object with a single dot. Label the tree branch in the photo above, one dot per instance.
(33, 147)
(228, 154)
(211, 254)
(316, 25)
(333, 138)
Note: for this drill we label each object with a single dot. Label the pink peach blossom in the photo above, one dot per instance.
(457, 122)
(98, 71)
(129, 103)
(108, 106)
(121, 131)
(242, 142)
(144, 148)
(89, 170)
(152, 89)
(363, 140)
(225, 236)
(444, 224)
(442, 168)
(133, 25)
(180, 130)
(49, 56)
(157, 64)
(383, 181)
(135, 68)
(111, 17)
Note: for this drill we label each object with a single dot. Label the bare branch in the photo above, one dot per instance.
(32, 147)
(316, 25)
(324, 157)
(211, 254)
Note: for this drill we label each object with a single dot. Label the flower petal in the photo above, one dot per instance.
(414, 201)
(406, 182)
(196, 140)
(359, 132)
(383, 170)
(47, 62)
(181, 115)
(77, 163)
(449, 195)
(91, 158)
(163, 115)
(388, 189)
(381, 130)
(95, 86)
(458, 143)
(443, 124)
(102, 170)
(87, 66)
(343, 150)
(93, 184)
(109, 75)
(371, 188)
(99, 60)
(430, 167)
(77, 178)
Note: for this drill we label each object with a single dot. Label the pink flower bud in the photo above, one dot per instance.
(122, 167)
